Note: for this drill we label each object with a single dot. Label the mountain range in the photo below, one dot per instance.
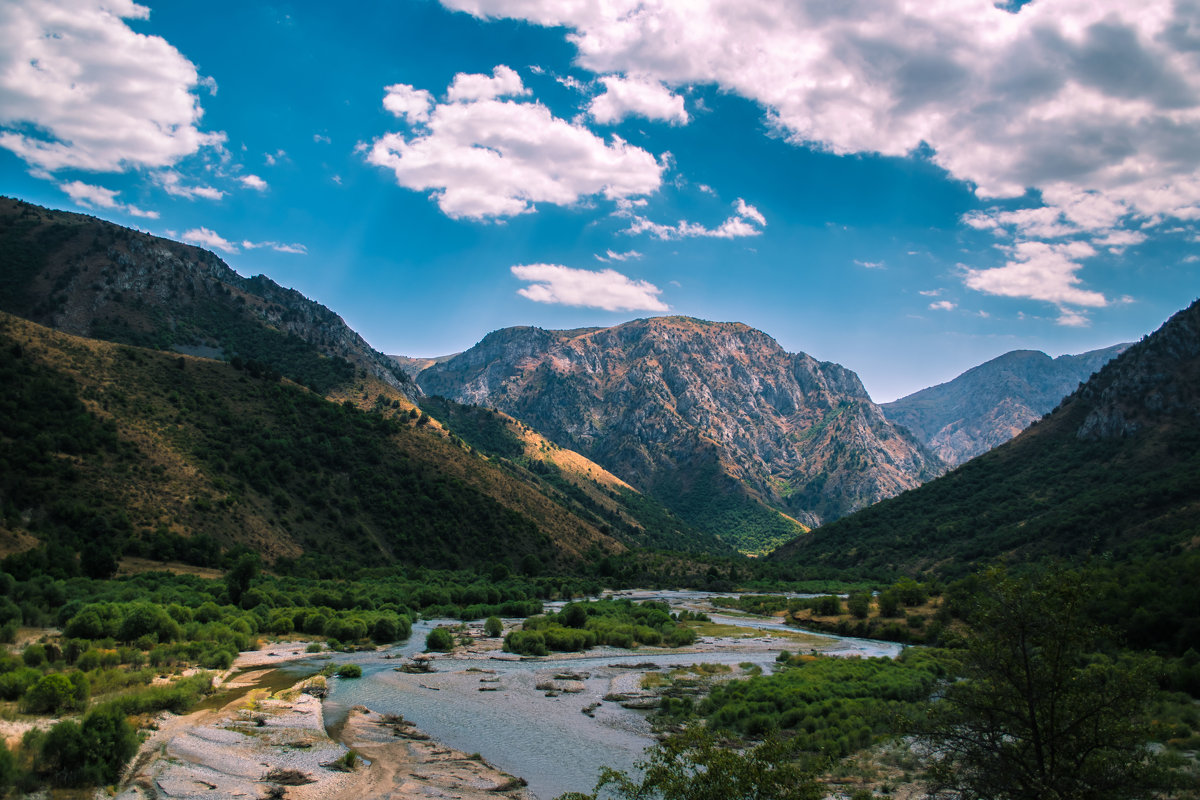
(713, 419)
(668, 432)
(993, 402)
(1112, 473)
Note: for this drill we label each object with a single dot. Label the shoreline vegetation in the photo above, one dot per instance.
(130, 656)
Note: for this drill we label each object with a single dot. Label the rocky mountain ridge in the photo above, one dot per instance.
(96, 279)
(681, 407)
(1113, 472)
(993, 402)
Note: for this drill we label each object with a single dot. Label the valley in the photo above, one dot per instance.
(199, 470)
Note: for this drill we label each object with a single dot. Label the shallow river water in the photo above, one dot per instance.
(549, 741)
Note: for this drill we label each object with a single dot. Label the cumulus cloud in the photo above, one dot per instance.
(408, 103)
(606, 289)
(90, 196)
(1041, 271)
(489, 153)
(942, 305)
(172, 183)
(636, 97)
(503, 82)
(746, 221)
(209, 238)
(279, 247)
(80, 89)
(610, 255)
(253, 182)
(1093, 104)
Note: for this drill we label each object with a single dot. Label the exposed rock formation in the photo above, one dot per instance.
(672, 404)
(990, 404)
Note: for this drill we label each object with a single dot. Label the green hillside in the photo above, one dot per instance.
(136, 452)
(1114, 472)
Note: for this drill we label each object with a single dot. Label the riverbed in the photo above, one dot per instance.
(482, 701)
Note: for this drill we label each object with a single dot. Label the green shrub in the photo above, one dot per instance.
(56, 692)
(439, 639)
(349, 671)
(493, 627)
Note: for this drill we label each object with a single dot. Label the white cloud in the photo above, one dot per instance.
(172, 183)
(1093, 104)
(408, 103)
(942, 305)
(606, 289)
(274, 158)
(636, 97)
(610, 255)
(1071, 318)
(253, 182)
(279, 247)
(503, 82)
(482, 157)
(209, 238)
(80, 89)
(930, 292)
(872, 265)
(321, 139)
(1040, 271)
(746, 221)
(90, 196)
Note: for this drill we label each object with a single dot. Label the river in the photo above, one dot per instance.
(479, 704)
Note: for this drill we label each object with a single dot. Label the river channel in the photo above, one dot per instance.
(485, 703)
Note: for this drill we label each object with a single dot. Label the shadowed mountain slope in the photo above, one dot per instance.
(1114, 470)
(93, 278)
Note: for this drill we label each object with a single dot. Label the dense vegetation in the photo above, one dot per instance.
(630, 516)
(706, 497)
(615, 623)
(832, 706)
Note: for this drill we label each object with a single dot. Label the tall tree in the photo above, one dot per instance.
(1039, 714)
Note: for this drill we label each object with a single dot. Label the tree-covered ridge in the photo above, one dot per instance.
(1113, 472)
(584, 487)
(97, 279)
(133, 450)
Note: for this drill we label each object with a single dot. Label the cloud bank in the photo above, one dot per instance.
(489, 153)
(605, 289)
(80, 89)
(1092, 104)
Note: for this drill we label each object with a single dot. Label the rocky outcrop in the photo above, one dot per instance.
(661, 401)
(990, 404)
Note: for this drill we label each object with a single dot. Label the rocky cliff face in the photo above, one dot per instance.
(990, 404)
(662, 401)
(92, 278)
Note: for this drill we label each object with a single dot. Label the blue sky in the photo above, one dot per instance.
(908, 192)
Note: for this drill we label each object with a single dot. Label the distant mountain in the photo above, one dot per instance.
(715, 420)
(96, 279)
(167, 456)
(990, 404)
(1114, 471)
